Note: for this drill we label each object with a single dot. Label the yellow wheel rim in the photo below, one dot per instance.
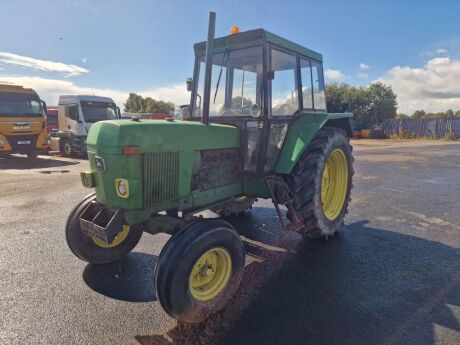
(334, 185)
(116, 241)
(210, 274)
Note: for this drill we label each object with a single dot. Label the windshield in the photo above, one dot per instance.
(14, 104)
(236, 82)
(98, 111)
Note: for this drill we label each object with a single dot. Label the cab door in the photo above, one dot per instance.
(283, 102)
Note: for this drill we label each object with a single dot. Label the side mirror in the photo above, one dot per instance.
(185, 111)
(45, 108)
(189, 83)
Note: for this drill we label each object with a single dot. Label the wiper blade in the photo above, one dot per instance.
(220, 75)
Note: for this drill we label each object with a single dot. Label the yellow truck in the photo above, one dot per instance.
(22, 122)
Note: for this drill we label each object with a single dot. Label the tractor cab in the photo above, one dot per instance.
(260, 83)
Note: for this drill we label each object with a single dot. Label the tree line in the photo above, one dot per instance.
(421, 114)
(138, 104)
(370, 105)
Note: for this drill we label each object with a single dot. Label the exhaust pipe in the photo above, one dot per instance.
(208, 70)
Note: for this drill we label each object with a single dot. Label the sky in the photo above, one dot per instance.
(115, 47)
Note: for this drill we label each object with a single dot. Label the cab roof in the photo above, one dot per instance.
(68, 99)
(257, 36)
(16, 88)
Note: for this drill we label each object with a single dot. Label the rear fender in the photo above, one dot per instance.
(301, 132)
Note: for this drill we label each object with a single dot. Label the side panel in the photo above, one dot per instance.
(301, 132)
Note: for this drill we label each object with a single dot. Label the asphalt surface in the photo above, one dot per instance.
(392, 276)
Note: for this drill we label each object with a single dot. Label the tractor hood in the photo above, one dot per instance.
(159, 136)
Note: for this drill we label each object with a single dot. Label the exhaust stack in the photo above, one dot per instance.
(208, 70)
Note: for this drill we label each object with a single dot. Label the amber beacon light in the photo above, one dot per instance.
(234, 30)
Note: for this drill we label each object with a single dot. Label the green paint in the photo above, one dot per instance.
(301, 132)
(161, 177)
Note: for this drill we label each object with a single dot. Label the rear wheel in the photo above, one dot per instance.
(199, 269)
(67, 148)
(93, 250)
(321, 183)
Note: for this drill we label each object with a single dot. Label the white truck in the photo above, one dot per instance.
(76, 114)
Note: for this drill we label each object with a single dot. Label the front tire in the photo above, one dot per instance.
(322, 181)
(93, 250)
(199, 270)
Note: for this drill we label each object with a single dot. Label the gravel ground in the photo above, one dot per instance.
(390, 277)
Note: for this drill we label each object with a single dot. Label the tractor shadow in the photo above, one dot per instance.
(19, 162)
(129, 279)
(365, 286)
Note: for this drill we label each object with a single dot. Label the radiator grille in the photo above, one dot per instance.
(161, 175)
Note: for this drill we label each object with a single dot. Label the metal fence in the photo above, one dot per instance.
(432, 128)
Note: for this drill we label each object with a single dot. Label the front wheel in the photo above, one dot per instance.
(93, 250)
(321, 183)
(199, 270)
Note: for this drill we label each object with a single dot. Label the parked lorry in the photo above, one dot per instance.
(257, 128)
(52, 119)
(76, 115)
(22, 122)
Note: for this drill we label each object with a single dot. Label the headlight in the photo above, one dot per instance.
(87, 179)
(122, 187)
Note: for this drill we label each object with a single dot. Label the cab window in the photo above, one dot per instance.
(283, 82)
(307, 86)
(319, 99)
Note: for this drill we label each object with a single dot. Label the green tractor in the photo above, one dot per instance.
(256, 127)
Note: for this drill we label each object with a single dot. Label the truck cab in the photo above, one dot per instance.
(22, 122)
(76, 115)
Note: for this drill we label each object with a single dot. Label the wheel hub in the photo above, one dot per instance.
(334, 184)
(116, 241)
(210, 274)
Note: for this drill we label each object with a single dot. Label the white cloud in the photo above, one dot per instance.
(334, 74)
(84, 60)
(364, 66)
(41, 65)
(434, 87)
(50, 90)
(442, 51)
(362, 75)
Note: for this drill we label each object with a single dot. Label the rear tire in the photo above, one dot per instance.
(67, 149)
(186, 287)
(314, 179)
(92, 250)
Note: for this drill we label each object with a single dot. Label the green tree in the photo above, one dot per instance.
(370, 105)
(138, 104)
(402, 116)
(418, 114)
(338, 96)
(135, 103)
(457, 113)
